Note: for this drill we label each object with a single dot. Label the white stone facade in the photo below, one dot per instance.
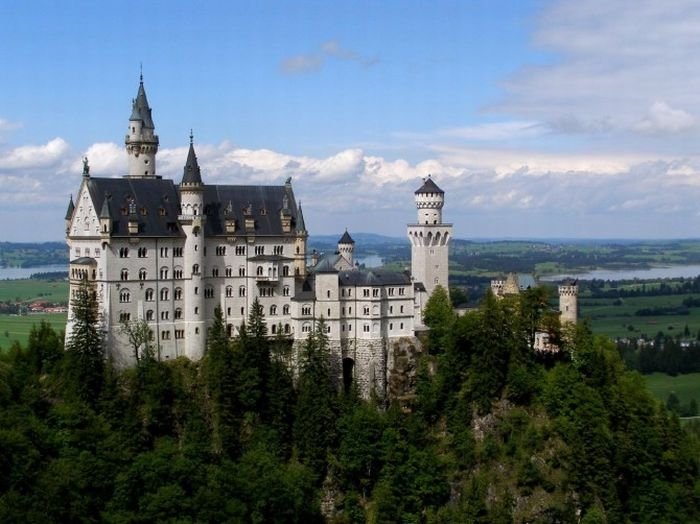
(169, 254)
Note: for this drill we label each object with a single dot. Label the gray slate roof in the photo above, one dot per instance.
(145, 196)
(191, 174)
(263, 202)
(373, 277)
(84, 261)
(346, 238)
(140, 109)
(429, 187)
(71, 208)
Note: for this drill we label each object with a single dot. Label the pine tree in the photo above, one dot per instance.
(85, 351)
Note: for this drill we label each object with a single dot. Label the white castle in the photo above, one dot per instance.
(169, 254)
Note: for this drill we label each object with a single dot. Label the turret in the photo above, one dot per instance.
(568, 301)
(192, 221)
(105, 219)
(346, 247)
(69, 214)
(141, 141)
(300, 244)
(429, 201)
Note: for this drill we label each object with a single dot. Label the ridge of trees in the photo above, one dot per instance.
(495, 433)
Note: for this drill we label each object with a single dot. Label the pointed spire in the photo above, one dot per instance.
(104, 212)
(71, 208)
(140, 109)
(301, 227)
(192, 174)
(346, 238)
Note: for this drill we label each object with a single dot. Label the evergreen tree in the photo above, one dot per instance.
(84, 363)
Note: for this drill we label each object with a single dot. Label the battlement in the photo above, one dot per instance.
(568, 291)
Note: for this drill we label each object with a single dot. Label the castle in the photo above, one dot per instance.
(169, 254)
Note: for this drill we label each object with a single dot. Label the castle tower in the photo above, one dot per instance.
(346, 248)
(192, 222)
(568, 301)
(141, 141)
(300, 244)
(430, 238)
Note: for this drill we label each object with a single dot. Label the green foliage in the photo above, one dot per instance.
(439, 317)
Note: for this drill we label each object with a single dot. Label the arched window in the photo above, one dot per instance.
(285, 309)
(274, 329)
(178, 313)
(229, 291)
(215, 271)
(124, 296)
(273, 310)
(177, 293)
(195, 269)
(123, 252)
(163, 273)
(149, 295)
(259, 271)
(286, 328)
(124, 274)
(164, 293)
(142, 274)
(241, 291)
(285, 271)
(149, 315)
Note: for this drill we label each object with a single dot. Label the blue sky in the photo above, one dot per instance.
(547, 118)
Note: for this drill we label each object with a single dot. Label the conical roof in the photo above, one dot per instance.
(71, 208)
(104, 212)
(140, 109)
(192, 174)
(301, 227)
(346, 238)
(429, 187)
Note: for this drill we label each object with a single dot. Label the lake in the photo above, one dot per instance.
(15, 273)
(652, 273)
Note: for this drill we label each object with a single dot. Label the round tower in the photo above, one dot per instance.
(192, 222)
(141, 141)
(346, 248)
(568, 301)
(429, 201)
(430, 239)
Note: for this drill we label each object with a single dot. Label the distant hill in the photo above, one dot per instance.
(32, 254)
(361, 240)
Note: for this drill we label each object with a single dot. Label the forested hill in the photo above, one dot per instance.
(13, 254)
(494, 433)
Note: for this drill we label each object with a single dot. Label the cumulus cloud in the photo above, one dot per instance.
(45, 155)
(314, 61)
(613, 66)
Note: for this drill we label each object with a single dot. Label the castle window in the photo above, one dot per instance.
(285, 291)
(365, 310)
(177, 293)
(241, 271)
(163, 273)
(402, 291)
(401, 325)
(164, 251)
(177, 252)
(164, 315)
(195, 269)
(285, 309)
(124, 317)
(196, 310)
(177, 273)
(259, 271)
(164, 293)
(391, 309)
(124, 274)
(365, 328)
(306, 328)
(229, 271)
(306, 310)
(240, 250)
(142, 252)
(142, 274)
(149, 295)
(220, 251)
(259, 250)
(196, 290)
(149, 315)
(273, 310)
(286, 328)
(124, 296)
(229, 291)
(208, 292)
(391, 291)
(391, 326)
(365, 292)
(215, 272)
(196, 331)
(161, 211)
(241, 291)
(278, 250)
(329, 312)
(179, 333)
(123, 252)
(328, 294)
(178, 313)
(165, 335)
(375, 292)
(401, 309)
(285, 271)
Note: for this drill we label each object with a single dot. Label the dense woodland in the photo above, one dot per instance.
(494, 432)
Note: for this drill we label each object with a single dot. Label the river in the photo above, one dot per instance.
(652, 273)
(15, 273)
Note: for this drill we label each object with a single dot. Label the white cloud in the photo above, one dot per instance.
(314, 61)
(664, 118)
(45, 155)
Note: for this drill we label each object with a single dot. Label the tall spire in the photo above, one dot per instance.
(141, 141)
(301, 227)
(191, 175)
(71, 208)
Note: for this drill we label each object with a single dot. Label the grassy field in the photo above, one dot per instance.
(685, 387)
(14, 327)
(612, 320)
(29, 290)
